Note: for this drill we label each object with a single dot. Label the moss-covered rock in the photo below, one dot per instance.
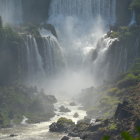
(62, 125)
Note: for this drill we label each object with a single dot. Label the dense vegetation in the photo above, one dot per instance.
(10, 44)
(19, 101)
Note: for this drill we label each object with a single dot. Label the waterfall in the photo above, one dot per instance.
(53, 53)
(105, 9)
(11, 11)
(100, 66)
(133, 19)
(85, 9)
(34, 61)
(80, 24)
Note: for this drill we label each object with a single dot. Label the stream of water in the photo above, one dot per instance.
(40, 131)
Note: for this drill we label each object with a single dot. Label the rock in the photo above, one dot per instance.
(62, 125)
(52, 98)
(123, 111)
(76, 115)
(13, 135)
(51, 28)
(73, 134)
(65, 138)
(72, 104)
(81, 126)
(95, 126)
(85, 120)
(63, 109)
(54, 127)
(92, 135)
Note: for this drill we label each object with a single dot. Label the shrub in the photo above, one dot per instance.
(63, 120)
(112, 126)
(135, 4)
(126, 136)
(129, 80)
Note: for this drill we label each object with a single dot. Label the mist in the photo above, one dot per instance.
(66, 66)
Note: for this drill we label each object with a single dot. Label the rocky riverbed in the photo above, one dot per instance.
(40, 131)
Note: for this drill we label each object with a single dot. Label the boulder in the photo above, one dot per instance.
(95, 126)
(62, 125)
(13, 135)
(76, 115)
(51, 28)
(73, 134)
(63, 109)
(92, 135)
(72, 104)
(65, 138)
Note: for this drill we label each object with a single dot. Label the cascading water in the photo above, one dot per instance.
(53, 53)
(34, 61)
(44, 58)
(80, 24)
(133, 19)
(100, 66)
(85, 9)
(11, 11)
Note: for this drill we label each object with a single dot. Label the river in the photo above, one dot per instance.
(40, 131)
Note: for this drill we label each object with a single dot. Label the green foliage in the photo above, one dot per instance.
(106, 138)
(112, 91)
(136, 67)
(81, 126)
(63, 120)
(129, 80)
(31, 29)
(9, 37)
(112, 126)
(125, 32)
(138, 130)
(135, 4)
(126, 136)
(109, 101)
(19, 101)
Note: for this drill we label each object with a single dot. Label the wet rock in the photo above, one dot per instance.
(13, 135)
(73, 134)
(85, 120)
(76, 115)
(64, 109)
(92, 135)
(95, 126)
(72, 104)
(62, 125)
(123, 111)
(54, 127)
(65, 138)
(52, 98)
(51, 28)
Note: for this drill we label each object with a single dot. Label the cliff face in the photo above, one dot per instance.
(124, 52)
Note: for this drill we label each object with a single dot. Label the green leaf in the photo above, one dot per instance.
(106, 138)
(126, 136)
(138, 129)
